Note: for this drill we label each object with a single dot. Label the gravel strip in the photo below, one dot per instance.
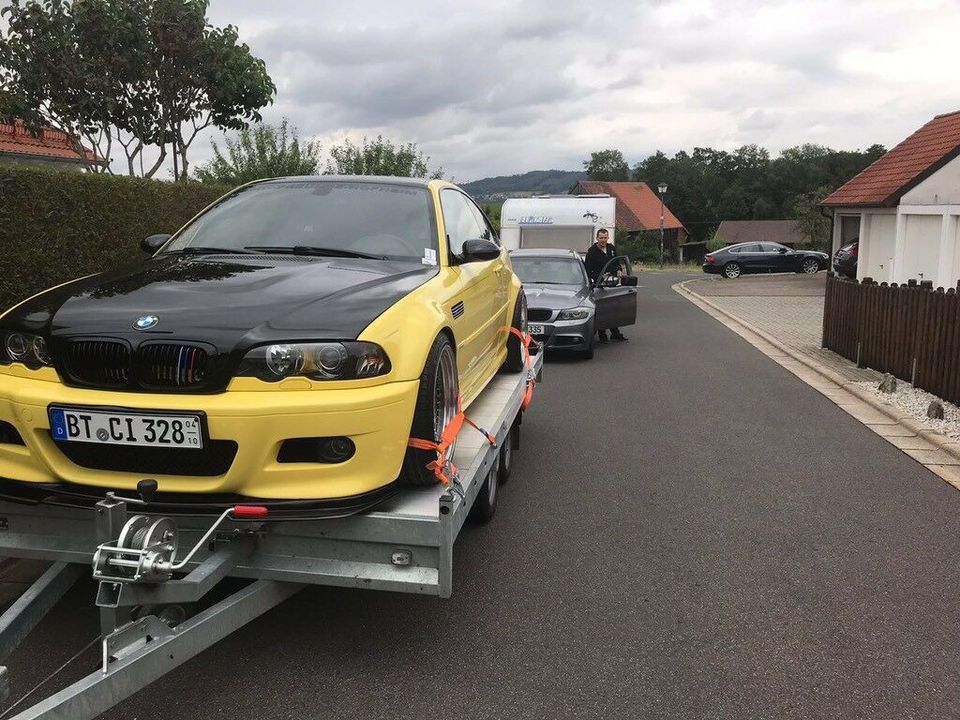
(915, 402)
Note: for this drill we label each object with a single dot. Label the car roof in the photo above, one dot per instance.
(381, 179)
(544, 252)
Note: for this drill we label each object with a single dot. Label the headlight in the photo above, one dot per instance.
(31, 350)
(319, 361)
(574, 314)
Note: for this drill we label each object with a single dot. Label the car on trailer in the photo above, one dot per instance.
(564, 309)
(285, 345)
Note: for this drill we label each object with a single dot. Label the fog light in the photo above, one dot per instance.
(327, 450)
(336, 449)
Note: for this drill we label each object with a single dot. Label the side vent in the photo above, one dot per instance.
(457, 310)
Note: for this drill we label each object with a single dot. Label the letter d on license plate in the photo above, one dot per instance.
(119, 427)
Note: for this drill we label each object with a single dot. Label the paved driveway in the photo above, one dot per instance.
(787, 307)
(691, 532)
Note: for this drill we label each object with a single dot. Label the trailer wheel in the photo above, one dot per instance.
(485, 506)
(436, 407)
(506, 453)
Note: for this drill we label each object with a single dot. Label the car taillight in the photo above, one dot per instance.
(708, 259)
(853, 251)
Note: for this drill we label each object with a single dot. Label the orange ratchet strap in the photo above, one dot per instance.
(525, 340)
(443, 466)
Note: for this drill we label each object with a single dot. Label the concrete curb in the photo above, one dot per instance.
(940, 441)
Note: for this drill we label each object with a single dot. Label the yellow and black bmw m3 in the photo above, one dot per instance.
(284, 345)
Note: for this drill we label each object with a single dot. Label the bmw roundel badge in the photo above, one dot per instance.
(146, 322)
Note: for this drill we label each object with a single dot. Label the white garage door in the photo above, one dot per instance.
(921, 252)
(563, 238)
(881, 241)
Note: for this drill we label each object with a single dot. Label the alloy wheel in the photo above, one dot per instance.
(445, 390)
(810, 266)
(732, 271)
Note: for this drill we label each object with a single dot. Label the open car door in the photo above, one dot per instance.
(615, 294)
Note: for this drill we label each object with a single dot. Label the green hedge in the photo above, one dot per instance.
(58, 225)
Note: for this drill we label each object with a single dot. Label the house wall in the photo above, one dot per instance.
(39, 162)
(941, 188)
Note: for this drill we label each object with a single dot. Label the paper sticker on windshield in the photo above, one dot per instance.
(429, 256)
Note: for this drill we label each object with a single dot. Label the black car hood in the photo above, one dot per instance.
(555, 297)
(227, 301)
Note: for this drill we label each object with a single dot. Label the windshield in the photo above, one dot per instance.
(334, 218)
(552, 271)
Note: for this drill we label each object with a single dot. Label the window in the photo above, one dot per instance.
(769, 247)
(391, 220)
(748, 248)
(461, 219)
(550, 271)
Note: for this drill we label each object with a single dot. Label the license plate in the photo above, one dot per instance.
(535, 329)
(117, 427)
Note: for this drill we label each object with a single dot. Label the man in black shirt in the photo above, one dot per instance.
(599, 254)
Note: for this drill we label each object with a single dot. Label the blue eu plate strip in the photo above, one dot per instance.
(58, 424)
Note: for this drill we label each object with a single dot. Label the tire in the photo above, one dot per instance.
(436, 406)
(506, 454)
(732, 270)
(515, 361)
(485, 506)
(809, 266)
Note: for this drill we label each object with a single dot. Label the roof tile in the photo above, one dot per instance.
(15, 139)
(885, 181)
(638, 207)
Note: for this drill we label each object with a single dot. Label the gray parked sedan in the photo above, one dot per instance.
(564, 310)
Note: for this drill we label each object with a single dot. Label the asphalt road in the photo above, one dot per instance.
(691, 532)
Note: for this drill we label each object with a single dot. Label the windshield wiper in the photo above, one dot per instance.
(311, 250)
(200, 250)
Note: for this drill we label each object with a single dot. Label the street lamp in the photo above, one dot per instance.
(662, 188)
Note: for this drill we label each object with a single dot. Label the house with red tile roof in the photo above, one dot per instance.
(50, 147)
(638, 210)
(904, 208)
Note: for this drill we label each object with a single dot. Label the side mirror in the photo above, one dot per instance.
(629, 280)
(782, 250)
(152, 243)
(479, 250)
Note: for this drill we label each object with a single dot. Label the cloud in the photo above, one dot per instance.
(499, 87)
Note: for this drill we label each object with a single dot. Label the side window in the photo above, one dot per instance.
(749, 248)
(461, 220)
(769, 247)
(487, 233)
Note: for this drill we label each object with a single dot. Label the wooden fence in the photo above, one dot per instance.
(911, 331)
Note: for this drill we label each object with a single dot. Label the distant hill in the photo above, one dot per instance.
(535, 182)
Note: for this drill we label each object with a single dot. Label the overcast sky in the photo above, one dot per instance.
(494, 88)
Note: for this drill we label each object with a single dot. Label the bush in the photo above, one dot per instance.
(59, 225)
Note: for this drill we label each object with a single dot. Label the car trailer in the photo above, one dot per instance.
(151, 568)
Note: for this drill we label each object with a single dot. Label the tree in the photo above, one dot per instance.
(134, 74)
(811, 223)
(261, 151)
(607, 166)
(379, 157)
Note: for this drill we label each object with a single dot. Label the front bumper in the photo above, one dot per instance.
(569, 335)
(376, 418)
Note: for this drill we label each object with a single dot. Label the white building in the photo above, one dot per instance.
(904, 209)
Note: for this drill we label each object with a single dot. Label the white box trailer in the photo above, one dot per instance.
(567, 222)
